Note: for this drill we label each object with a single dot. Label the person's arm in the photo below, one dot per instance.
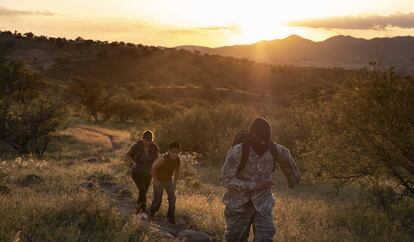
(288, 166)
(176, 174)
(155, 167)
(228, 175)
(129, 160)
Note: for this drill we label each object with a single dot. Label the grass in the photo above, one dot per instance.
(55, 210)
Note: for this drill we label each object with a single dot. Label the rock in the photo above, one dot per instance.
(31, 179)
(69, 163)
(100, 179)
(93, 160)
(194, 236)
(4, 190)
(86, 186)
(96, 159)
(124, 194)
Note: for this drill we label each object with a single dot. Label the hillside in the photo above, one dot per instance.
(136, 66)
(338, 51)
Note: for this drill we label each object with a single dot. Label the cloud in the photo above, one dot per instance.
(11, 12)
(208, 29)
(371, 21)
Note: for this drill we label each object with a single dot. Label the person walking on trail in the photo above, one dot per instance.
(140, 158)
(162, 172)
(247, 178)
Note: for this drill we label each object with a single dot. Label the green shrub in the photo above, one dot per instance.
(162, 111)
(207, 130)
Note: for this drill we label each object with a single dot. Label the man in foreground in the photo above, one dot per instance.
(162, 172)
(140, 158)
(247, 177)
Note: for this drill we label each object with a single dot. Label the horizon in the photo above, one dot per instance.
(179, 23)
(190, 45)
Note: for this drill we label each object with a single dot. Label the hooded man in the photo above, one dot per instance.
(247, 177)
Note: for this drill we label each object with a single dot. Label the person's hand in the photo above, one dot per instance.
(132, 165)
(264, 185)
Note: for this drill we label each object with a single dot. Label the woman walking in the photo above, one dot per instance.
(140, 158)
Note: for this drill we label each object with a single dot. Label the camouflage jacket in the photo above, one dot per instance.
(240, 186)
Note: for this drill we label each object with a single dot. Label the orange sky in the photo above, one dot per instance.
(208, 23)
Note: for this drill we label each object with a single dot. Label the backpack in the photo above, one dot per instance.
(288, 167)
(243, 138)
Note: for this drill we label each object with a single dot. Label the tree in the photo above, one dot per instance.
(365, 134)
(30, 109)
(93, 95)
(126, 109)
(29, 35)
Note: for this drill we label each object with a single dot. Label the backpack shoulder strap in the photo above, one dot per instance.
(275, 153)
(244, 155)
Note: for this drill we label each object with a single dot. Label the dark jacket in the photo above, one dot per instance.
(136, 152)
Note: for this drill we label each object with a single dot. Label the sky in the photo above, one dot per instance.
(207, 22)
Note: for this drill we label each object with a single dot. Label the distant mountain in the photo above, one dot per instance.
(338, 51)
(135, 67)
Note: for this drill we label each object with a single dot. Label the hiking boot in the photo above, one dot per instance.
(142, 216)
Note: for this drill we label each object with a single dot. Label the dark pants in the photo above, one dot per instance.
(158, 192)
(142, 182)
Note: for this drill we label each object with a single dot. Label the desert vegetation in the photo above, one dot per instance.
(65, 129)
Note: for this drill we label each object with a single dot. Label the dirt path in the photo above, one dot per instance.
(110, 137)
(124, 203)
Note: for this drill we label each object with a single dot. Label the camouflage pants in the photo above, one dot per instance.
(239, 222)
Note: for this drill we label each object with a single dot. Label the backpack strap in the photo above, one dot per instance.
(244, 154)
(275, 153)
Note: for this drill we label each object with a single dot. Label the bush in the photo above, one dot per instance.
(161, 111)
(365, 133)
(127, 109)
(207, 130)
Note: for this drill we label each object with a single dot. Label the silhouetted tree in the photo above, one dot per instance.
(93, 95)
(125, 109)
(30, 109)
(29, 35)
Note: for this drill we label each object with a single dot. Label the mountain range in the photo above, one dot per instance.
(338, 51)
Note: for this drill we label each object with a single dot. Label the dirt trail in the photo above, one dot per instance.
(110, 137)
(124, 203)
(114, 138)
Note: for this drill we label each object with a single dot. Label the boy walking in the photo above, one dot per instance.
(162, 172)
